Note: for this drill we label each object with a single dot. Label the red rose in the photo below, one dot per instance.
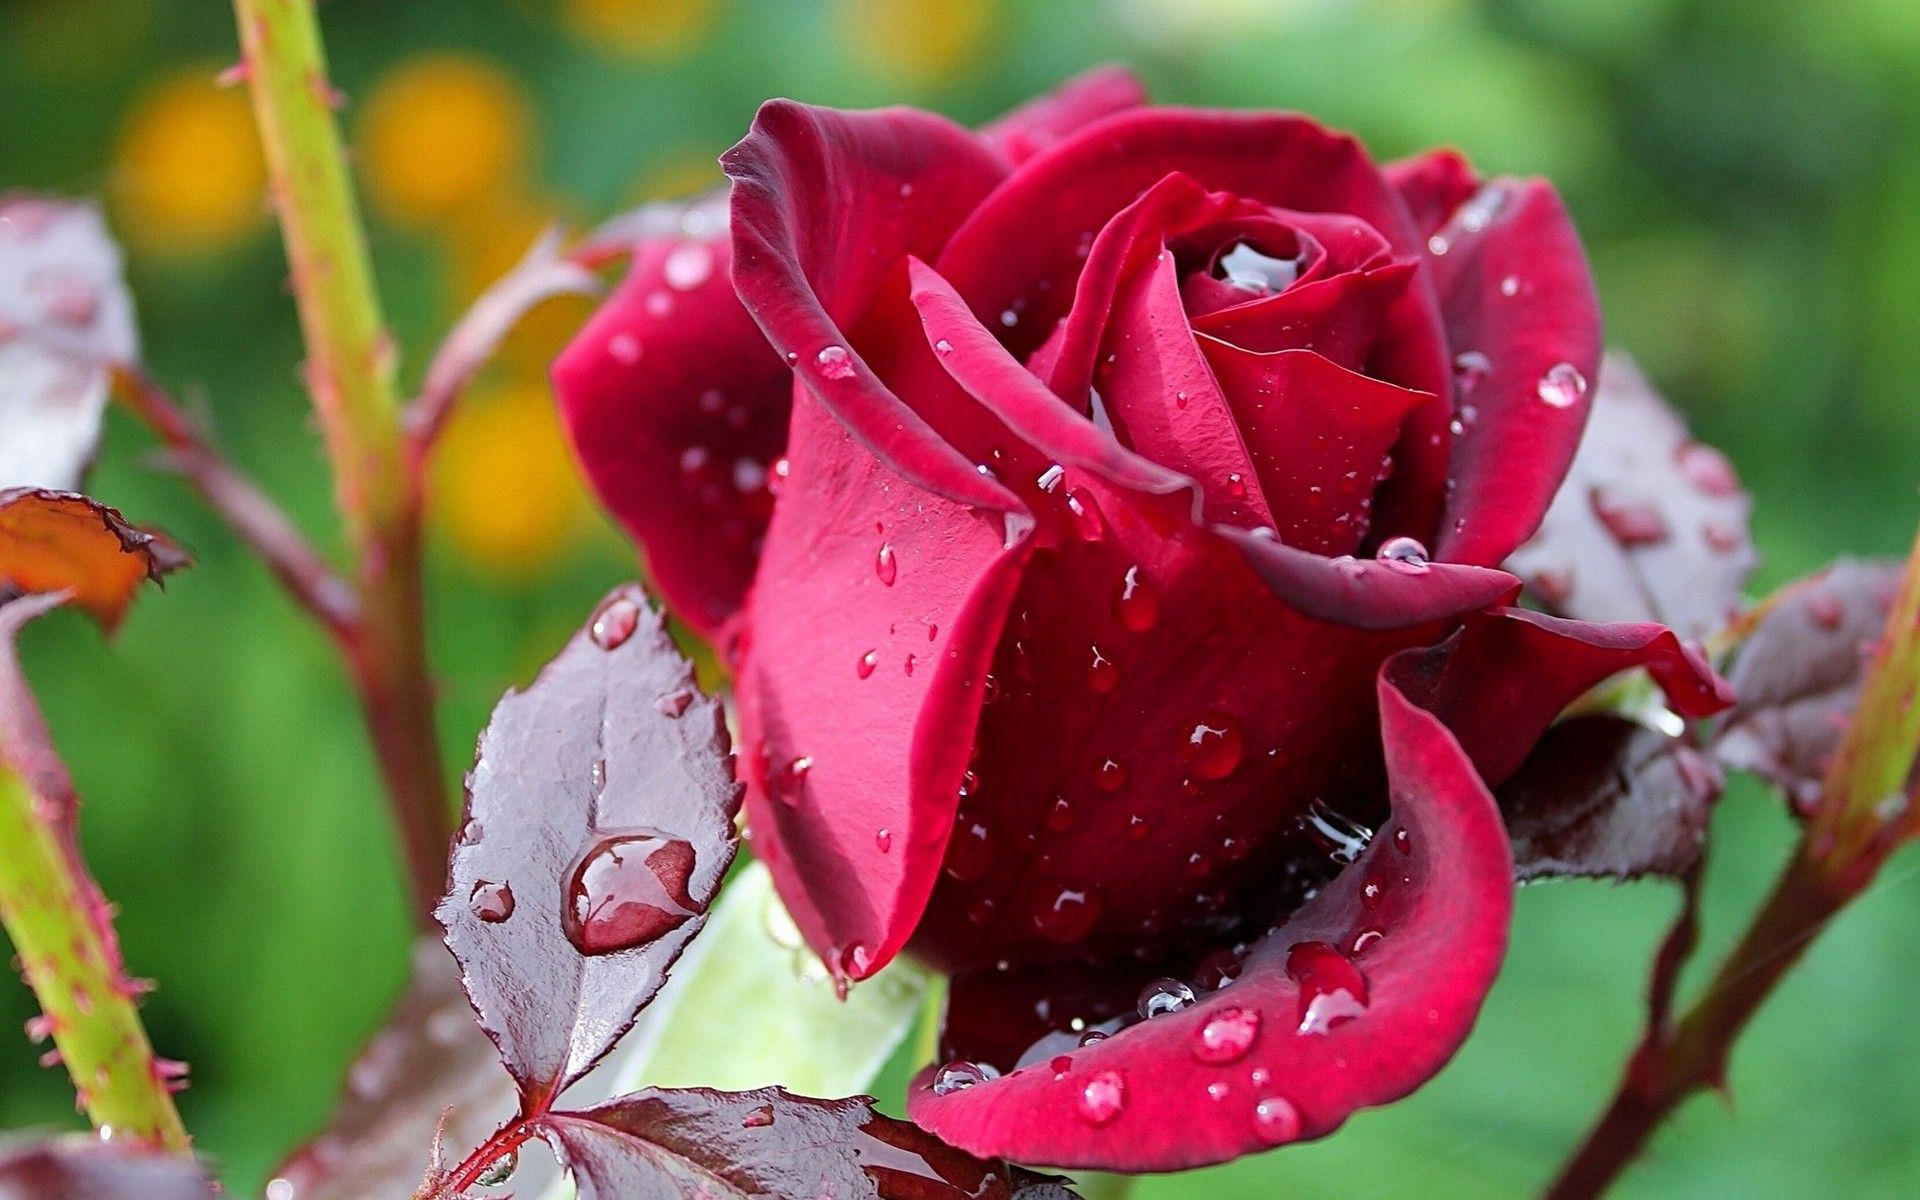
(1129, 551)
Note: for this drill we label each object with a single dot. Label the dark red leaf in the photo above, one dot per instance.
(1602, 796)
(64, 314)
(769, 1143)
(53, 541)
(427, 1077)
(599, 825)
(1798, 676)
(1650, 525)
(85, 1168)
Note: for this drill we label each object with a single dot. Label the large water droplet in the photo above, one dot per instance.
(628, 890)
(1344, 839)
(1404, 554)
(1562, 385)
(615, 624)
(1103, 1098)
(1276, 1120)
(1087, 518)
(500, 1170)
(855, 961)
(1163, 997)
(886, 565)
(1226, 1036)
(491, 902)
(1066, 914)
(834, 362)
(1211, 747)
(1332, 990)
(1102, 675)
(959, 1075)
(1109, 776)
(1137, 606)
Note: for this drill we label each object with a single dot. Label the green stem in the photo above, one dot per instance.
(69, 958)
(349, 371)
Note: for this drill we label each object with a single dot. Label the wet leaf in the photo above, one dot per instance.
(64, 315)
(768, 1142)
(599, 824)
(1604, 797)
(52, 541)
(1798, 676)
(428, 1076)
(85, 1168)
(1650, 525)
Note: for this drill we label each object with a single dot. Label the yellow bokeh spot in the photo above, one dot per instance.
(506, 492)
(187, 174)
(645, 28)
(919, 40)
(440, 134)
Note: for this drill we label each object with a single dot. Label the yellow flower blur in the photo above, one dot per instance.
(917, 40)
(187, 175)
(645, 28)
(506, 492)
(441, 133)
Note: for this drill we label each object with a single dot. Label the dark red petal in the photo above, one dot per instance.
(1366, 593)
(1319, 435)
(868, 635)
(1341, 317)
(1524, 324)
(810, 184)
(1502, 679)
(1178, 1091)
(676, 407)
(1433, 185)
(1044, 120)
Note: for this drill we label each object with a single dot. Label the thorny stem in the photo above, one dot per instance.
(349, 371)
(1865, 813)
(67, 952)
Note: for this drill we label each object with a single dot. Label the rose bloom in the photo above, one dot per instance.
(1103, 514)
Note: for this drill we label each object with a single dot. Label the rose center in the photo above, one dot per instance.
(1247, 267)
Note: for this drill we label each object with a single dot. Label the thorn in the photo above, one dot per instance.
(325, 92)
(234, 75)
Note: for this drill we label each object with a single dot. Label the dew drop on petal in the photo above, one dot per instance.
(959, 1075)
(1211, 747)
(834, 362)
(867, 663)
(1404, 554)
(883, 840)
(1066, 914)
(1332, 990)
(943, 347)
(1102, 675)
(1103, 1098)
(1109, 776)
(1276, 1120)
(886, 565)
(1087, 517)
(855, 960)
(1163, 997)
(628, 890)
(1562, 385)
(1226, 1036)
(1137, 606)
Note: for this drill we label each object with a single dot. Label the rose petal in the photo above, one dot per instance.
(1433, 185)
(1319, 436)
(808, 183)
(1515, 292)
(676, 408)
(1039, 123)
(1340, 318)
(1177, 1091)
(1367, 593)
(1498, 712)
(858, 718)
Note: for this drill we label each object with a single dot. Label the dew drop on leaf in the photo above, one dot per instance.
(627, 891)
(491, 902)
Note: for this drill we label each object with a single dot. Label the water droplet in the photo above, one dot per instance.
(688, 266)
(792, 778)
(969, 851)
(1510, 286)
(1236, 486)
(1087, 518)
(491, 902)
(758, 1118)
(624, 348)
(1060, 816)
(1252, 270)
(1211, 748)
(1634, 521)
(855, 961)
(1103, 1098)
(943, 347)
(883, 840)
(1562, 385)
(1344, 839)
(628, 890)
(867, 663)
(1066, 914)
(834, 362)
(1102, 675)
(959, 1075)
(1226, 1036)
(1365, 939)
(1276, 1120)
(1403, 841)
(1404, 554)
(886, 565)
(1372, 894)
(1137, 606)
(1093, 1037)
(1332, 990)
(500, 1170)
(615, 624)
(675, 704)
(1109, 776)
(1164, 997)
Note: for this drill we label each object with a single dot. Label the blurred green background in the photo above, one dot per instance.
(1747, 175)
